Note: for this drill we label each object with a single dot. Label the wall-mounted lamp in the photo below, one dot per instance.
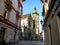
(41, 22)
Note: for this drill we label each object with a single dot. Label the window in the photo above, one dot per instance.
(7, 11)
(49, 26)
(58, 14)
(52, 15)
(29, 23)
(2, 32)
(33, 24)
(6, 14)
(46, 1)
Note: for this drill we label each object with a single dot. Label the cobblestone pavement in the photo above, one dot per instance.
(29, 43)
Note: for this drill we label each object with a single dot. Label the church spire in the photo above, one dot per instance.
(35, 11)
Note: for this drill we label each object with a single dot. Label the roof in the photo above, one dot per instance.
(25, 16)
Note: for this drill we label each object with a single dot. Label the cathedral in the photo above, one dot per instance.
(30, 26)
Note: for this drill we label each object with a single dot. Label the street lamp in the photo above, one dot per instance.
(41, 22)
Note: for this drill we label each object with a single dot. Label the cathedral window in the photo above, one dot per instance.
(33, 23)
(29, 23)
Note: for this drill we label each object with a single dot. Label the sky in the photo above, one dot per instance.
(28, 7)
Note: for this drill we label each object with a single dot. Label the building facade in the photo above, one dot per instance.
(10, 26)
(51, 26)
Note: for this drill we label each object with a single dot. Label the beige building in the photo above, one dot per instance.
(10, 11)
(51, 25)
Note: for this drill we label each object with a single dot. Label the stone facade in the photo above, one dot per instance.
(10, 21)
(51, 22)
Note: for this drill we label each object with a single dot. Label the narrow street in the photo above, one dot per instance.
(29, 43)
(29, 22)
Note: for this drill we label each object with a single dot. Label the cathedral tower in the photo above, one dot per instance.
(35, 17)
